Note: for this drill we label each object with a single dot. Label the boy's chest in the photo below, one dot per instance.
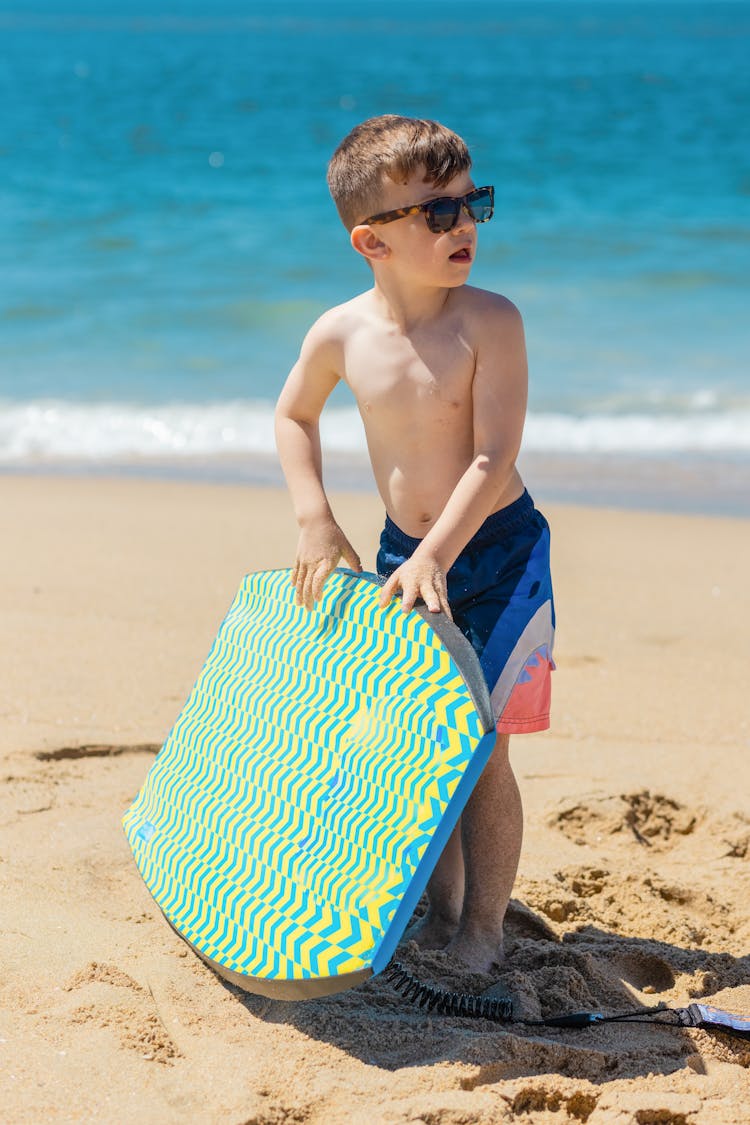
(395, 373)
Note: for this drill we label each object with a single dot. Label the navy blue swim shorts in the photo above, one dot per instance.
(500, 594)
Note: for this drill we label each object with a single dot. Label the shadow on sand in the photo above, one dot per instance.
(590, 969)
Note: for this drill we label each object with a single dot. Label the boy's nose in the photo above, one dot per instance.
(464, 220)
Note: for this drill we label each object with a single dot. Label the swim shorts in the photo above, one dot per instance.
(500, 594)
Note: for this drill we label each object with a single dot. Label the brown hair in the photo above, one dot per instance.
(394, 147)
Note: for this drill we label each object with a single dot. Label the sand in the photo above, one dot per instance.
(633, 885)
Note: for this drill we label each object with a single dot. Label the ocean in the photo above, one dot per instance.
(167, 237)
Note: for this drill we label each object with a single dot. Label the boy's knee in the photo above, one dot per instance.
(502, 747)
(499, 759)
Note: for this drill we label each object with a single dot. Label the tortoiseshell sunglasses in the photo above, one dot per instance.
(442, 213)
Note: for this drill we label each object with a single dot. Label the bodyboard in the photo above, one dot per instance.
(290, 822)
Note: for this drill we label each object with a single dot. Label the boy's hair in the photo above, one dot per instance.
(393, 147)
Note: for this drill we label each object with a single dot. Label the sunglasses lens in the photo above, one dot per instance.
(442, 214)
(479, 204)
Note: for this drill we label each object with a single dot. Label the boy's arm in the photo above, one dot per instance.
(499, 409)
(321, 542)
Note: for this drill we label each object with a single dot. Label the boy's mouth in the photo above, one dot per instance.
(462, 255)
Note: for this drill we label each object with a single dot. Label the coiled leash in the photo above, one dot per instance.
(445, 1003)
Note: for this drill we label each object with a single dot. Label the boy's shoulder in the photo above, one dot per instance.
(339, 320)
(325, 341)
(490, 320)
(334, 325)
(485, 302)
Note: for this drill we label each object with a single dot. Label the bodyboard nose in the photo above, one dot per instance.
(290, 822)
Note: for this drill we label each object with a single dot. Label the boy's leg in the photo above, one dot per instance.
(445, 895)
(492, 832)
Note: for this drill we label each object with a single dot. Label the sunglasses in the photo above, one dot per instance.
(442, 213)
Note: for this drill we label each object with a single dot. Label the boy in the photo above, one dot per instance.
(438, 370)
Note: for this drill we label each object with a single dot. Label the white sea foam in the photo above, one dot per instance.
(704, 432)
(57, 431)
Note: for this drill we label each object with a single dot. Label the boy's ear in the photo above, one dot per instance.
(366, 242)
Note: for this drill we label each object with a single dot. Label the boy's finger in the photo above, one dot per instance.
(303, 579)
(307, 598)
(293, 575)
(351, 557)
(443, 600)
(299, 583)
(430, 594)
(389, 589)
(319, 578)
(431, 600)
(407, 601)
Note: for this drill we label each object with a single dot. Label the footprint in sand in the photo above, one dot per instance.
(105, 974)
(650, 820)
(634, 904)
(135, 1016)
(522, 922)
(643, 971)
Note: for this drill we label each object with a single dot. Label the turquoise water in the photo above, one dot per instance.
(167, 236)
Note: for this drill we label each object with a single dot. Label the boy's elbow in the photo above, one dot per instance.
(497, 466)
(284, 418)
(289, 425)
(280, 419)
(495, 460)
(284, 427)
(285, 411)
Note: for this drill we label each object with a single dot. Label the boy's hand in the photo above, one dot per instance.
(319, 549)
(421, 576)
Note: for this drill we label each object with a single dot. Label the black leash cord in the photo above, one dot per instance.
(443, 1002)
(500, 1010)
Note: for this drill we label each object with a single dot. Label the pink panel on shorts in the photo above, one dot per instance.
(528, 706)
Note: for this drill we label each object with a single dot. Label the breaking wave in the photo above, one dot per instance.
(58, 431)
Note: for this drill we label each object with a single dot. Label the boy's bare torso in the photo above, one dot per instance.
(413, 388)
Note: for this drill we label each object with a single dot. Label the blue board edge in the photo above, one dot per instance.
(464, 656)
(432, 853)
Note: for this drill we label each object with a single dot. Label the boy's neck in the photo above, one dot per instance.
(406, 305)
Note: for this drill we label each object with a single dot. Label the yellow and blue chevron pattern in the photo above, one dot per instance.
(295, 812)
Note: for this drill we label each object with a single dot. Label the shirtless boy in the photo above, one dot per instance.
(438, 371)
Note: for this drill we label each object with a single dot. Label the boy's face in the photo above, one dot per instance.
(413, 249)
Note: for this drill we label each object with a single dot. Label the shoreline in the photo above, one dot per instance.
(698, 484)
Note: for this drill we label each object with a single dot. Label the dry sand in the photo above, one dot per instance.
(633, 886)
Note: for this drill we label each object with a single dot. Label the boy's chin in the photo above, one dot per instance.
(457, 277)
(459, 269)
